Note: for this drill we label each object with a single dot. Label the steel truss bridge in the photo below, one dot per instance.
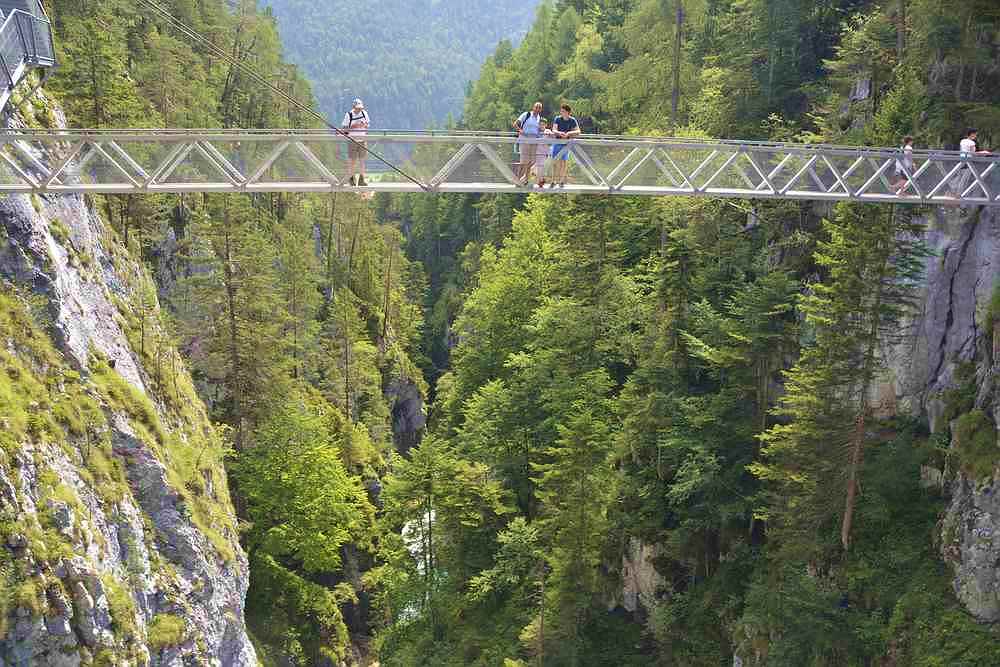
(255, 161)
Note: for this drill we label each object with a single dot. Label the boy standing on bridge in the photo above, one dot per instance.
(356, 122)
(529, 129)
(542, 154)
(566, 127)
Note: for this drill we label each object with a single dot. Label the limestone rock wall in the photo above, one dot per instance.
(951, 331)
(118, 541)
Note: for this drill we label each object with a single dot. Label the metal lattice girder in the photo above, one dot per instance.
(137, 161)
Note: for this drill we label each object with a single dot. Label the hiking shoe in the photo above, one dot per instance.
(361, 182)
(352, 181)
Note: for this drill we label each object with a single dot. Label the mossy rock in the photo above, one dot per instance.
(166, 630)
(976, 445)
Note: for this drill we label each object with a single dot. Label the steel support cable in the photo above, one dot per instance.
(258, 77)
(261, 79)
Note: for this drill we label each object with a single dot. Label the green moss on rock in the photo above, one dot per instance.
(165, 630)
(976, 445)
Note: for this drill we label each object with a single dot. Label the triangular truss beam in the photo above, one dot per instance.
(137, 161)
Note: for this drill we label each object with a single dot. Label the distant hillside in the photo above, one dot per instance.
(409, 61)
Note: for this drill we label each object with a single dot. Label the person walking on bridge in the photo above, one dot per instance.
(529, 130)
(904, 166)
(356, 123)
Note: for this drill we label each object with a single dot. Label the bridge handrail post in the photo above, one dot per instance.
(20, 33)
(34, 43)
(6, 69)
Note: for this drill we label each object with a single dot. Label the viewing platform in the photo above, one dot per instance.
(25, 43)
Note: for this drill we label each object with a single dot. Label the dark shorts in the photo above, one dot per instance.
(555, 152)
(357, 150)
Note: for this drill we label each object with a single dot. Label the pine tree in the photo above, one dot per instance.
(873, 258)
(575, 486)
(237, 314)
(94, 81)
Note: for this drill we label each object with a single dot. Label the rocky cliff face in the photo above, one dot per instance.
(945, 369)
(118, 542)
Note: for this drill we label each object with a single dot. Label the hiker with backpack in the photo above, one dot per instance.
(529, 130)
(356, 123)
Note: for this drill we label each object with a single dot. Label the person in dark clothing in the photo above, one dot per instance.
(565, 127)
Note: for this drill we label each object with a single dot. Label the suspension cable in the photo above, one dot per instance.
(255, 75)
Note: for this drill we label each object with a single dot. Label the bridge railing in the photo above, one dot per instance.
(25, 42)
(317, 161)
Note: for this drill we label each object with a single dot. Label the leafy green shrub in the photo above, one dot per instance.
(60, 232)
(28, 596)
(122, 608)
(124, 397)
(166, 630)
(961, 398)
(105, 472)
(976, 444)
(993, 308)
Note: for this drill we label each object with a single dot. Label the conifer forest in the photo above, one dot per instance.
(507, 430)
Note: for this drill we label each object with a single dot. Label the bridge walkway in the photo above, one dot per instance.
(146, 161)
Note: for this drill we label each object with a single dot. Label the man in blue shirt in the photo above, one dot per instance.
(529, 129)
(566, 127)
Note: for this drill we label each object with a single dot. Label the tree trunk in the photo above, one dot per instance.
(329, 243)
(347, 367)
(772, 53)
(675, 97)
(868, 370)
(235, 371)
(900, 29)
(350, 254)
(857, 452)
(541, 623)
(388, 286)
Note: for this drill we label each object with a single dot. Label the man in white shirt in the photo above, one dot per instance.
(969, 147)
(356, 122)
(529, 130)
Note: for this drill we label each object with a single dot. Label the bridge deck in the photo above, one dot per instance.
(142, 161)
